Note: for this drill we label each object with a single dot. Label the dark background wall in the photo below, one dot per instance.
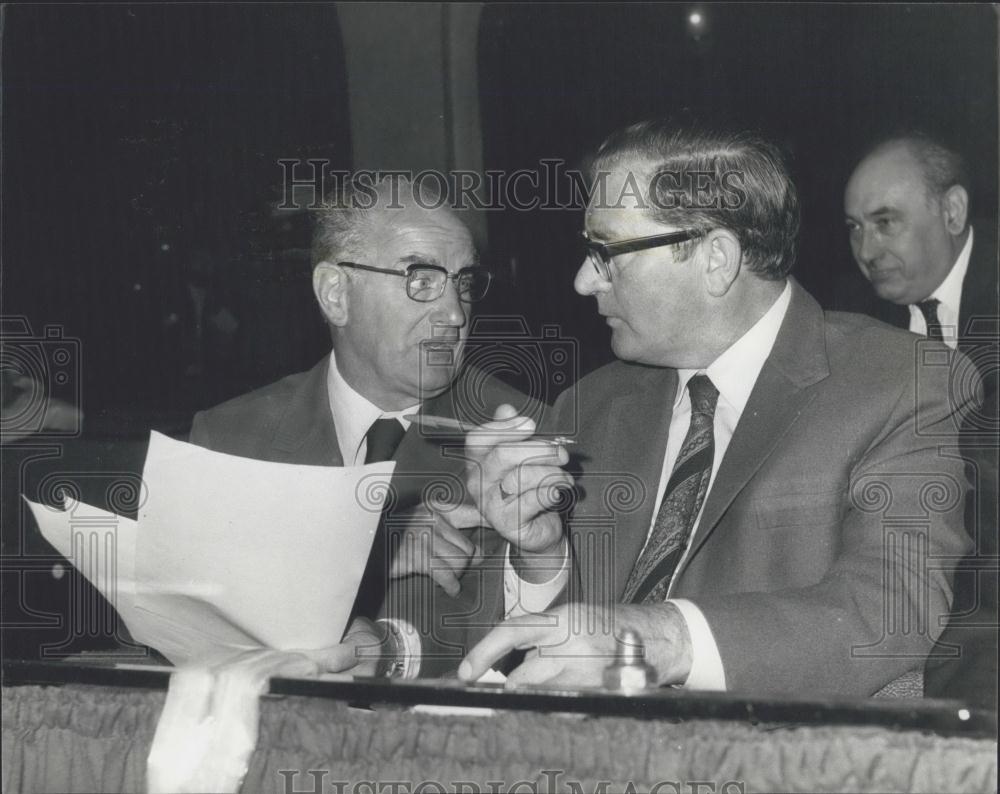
(822, 79)
(140, 148)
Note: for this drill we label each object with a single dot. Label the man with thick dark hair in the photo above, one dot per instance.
(750, 471)
(703, 184)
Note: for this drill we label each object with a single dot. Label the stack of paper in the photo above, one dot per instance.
(228, 553)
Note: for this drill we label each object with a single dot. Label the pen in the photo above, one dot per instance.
(428, 422)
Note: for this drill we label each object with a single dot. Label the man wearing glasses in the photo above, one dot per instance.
(754, 475)
(395, 273)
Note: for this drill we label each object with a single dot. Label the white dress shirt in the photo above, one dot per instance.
(353, 416)
(949, 295)
(524, 598)
(734, 373)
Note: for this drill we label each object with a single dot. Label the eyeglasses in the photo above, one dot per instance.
(601, 254)
(426, 283)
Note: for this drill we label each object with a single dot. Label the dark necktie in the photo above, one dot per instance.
(383, 437)
(685, 492)
(929, 309)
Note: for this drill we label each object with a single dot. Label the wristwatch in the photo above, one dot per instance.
(396, 658)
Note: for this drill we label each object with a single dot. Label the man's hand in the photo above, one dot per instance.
(572, 644)
(358, 653)
(432, 545)
(515, 481)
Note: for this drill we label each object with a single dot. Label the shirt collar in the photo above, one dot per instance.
(735, 371)
(949, 291)
(353, 414)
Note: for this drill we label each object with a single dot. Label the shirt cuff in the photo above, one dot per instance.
(707, 672)
(407, 642)
(525, 598)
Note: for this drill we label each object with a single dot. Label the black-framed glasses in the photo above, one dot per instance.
(426, 283)
(601, 254)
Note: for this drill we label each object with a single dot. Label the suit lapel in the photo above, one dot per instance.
(426, 455)
(415, 449)
(306, 433)
(797, 361)
(978, 311)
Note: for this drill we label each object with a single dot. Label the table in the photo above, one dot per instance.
(88, 737)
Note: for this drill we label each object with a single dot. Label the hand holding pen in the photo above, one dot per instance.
(429, 422)
(514, 478)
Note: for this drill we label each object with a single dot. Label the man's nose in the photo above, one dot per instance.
(448, 309)
(588, 282)
(868, 248)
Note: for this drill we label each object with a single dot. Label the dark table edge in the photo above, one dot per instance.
(943, 717)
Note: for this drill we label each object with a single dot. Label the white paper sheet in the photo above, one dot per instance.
(228, 553)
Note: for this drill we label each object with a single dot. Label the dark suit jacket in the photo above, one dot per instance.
(825, 548)
(290, 422)
(964, 663)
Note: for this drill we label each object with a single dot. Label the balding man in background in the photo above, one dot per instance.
(907, 207)
(931, 271)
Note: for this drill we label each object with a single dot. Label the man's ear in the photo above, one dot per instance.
(330, 288)
(725, 257)
(955, 209)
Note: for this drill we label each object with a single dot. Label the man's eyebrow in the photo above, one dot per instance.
(882, 212)
(426, 259)
(417, 259)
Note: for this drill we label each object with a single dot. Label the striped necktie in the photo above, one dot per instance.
(650, 579)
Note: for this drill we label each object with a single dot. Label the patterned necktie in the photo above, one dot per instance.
(929, 309)
(650, 579)
(383, 437)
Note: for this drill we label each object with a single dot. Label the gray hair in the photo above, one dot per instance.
(342, 227)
